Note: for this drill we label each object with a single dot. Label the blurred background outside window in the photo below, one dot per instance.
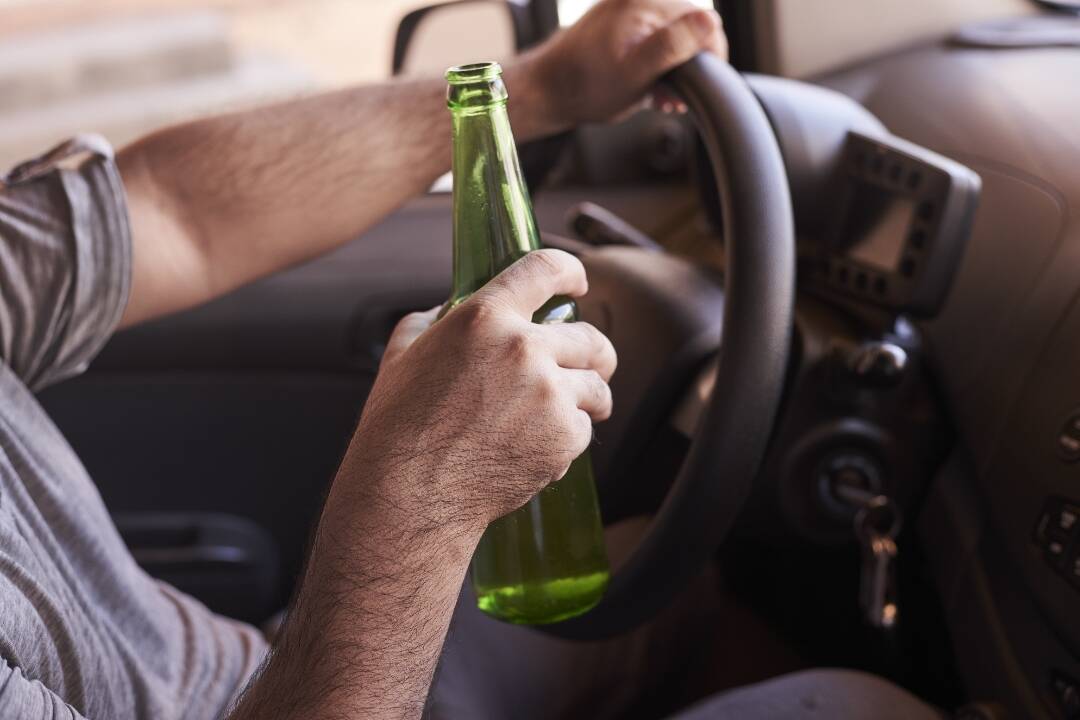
(124, 67)
(571, 10)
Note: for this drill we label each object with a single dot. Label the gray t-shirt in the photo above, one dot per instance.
(83, 631)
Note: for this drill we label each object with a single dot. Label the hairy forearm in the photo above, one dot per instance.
(365, 632)
(218, 202)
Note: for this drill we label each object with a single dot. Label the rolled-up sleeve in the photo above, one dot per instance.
(65, 260)
(25, 699)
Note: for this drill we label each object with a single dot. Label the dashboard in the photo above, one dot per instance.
(1004, 349)
(955, 220)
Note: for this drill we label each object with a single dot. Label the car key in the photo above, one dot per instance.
(877, 524)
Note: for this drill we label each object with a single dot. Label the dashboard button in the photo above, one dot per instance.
(1042, 529)
(1058, 534)
(1066, 518)
(1055, 551)
(1055, 522)
(1069, 445)
(1060, 521)
(1072, 568)
(1069, 439)
(1068, 694)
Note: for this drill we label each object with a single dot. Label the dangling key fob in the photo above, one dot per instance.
(877, 524)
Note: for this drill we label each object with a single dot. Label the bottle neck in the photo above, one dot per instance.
(494, 223)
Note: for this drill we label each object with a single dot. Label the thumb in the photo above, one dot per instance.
(675, 43)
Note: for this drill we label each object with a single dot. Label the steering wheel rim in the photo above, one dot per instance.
(730, 441)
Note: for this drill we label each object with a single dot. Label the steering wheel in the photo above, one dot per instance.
(730, 440)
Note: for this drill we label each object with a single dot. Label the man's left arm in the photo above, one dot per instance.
(220, 202)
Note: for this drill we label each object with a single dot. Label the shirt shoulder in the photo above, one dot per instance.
(65, 259)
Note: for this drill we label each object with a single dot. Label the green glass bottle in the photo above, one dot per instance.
(546, 561)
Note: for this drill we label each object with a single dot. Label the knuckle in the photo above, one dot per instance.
(557, 463)
(599, 389)
(612, 362)
(603, 352)
(547, 390)
(605, 405)
(545, 262)
(602, 389)
(723, 49)
(582, 431)
(612, 354)
(683, 38)
(668, 45)
(476, 318)
(570, 435)
(591, 336)
(405, 324)
(598, 340)
(519, 346)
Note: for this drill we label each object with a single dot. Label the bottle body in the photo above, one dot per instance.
(545, 561)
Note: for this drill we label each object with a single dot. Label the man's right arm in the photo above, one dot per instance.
(221, 201)
(468, 419)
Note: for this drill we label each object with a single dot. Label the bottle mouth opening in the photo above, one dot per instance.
(473, 72)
